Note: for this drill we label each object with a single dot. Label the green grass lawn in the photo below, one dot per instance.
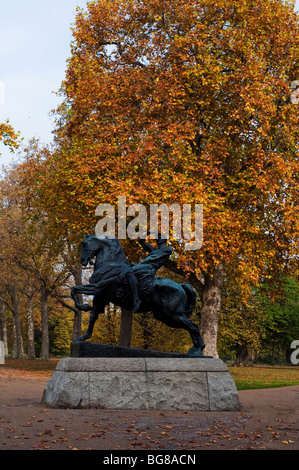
(264, 376)
(245, 377)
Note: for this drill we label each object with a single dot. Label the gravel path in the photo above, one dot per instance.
(268, 420)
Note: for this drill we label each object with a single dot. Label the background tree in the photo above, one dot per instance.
(263, 327)
(11, 274)
(40, 200)
(31, 265)
(3, 328)
(282, 318)
(242, 326)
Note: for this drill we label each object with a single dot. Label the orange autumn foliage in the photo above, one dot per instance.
(185, 101)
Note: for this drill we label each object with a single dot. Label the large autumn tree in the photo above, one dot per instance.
(176, 101)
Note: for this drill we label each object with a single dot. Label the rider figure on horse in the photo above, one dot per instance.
(139, 276)
(146, 270)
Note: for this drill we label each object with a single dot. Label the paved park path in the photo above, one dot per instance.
(268, 420)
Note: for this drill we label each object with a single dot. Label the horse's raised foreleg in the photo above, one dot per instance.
(88, 289)
(98, 307)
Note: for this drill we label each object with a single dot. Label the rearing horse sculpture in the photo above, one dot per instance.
(135, 288)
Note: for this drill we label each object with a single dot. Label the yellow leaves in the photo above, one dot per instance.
(180, 110)
(8, 136)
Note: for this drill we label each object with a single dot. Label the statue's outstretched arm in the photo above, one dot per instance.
(146, 246)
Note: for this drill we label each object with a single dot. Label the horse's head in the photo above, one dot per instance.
(89, 248)
(109, 249)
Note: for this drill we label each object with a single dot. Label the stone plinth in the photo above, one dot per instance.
(89, 349)
(199, 384)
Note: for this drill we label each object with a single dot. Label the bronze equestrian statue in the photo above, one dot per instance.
(135, 287)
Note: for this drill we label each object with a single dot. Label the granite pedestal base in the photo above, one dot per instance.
(199, 384)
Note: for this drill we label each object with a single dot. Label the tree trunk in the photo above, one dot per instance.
(44, 353)
(18, 347)
(125, 328)
(111, 311)
(14, 351)
(210, 313)
(77, 325)
(210, 292)
(30, 329)
(242, 358)
(147, 330)
(3, 329)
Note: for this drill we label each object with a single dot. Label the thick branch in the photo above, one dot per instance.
(191, 277)
(65, 304)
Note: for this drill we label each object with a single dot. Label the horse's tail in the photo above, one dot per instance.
(191, 298)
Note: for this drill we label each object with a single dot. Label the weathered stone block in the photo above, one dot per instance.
(67, 389)
(222, 392)
(118, 390)
(177, 390)
(191, 364)
(201, 384)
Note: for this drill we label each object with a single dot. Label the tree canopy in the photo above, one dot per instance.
(182, 101)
